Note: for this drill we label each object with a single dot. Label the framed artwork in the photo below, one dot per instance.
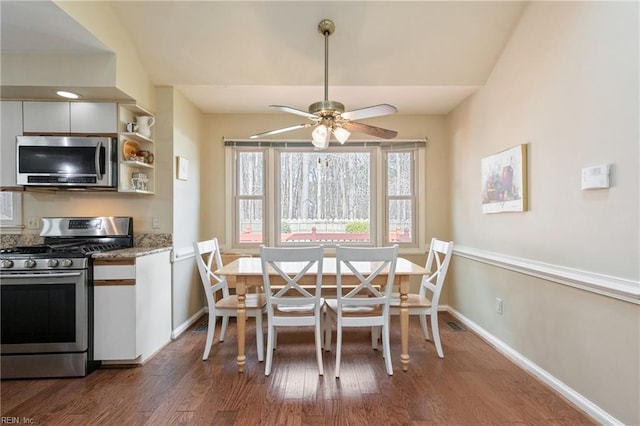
(504, 181)
(183, 168)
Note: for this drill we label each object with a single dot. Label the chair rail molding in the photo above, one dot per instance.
(617, 288)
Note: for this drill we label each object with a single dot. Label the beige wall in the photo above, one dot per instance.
(130, 76)
(186, 130)
(567, 85)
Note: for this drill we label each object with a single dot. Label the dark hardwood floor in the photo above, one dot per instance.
(473, 384)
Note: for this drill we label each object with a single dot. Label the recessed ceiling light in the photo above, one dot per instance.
(69, 95)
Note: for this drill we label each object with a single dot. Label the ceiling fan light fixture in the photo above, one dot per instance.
(320, 136)
(341, 134)
(330, 116)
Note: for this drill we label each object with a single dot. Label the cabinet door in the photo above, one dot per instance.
(46, 117)
(114, 323)
(94, 117)
(11, 127)
(153, 282)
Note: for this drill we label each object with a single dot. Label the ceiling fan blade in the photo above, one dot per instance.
(369, 130)
(368, 112)
(294, 111)
(284, 129)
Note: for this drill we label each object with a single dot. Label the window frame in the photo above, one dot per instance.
(379, 198)
(15, 225)
(373, 211)
(412, 197)
(237, 198)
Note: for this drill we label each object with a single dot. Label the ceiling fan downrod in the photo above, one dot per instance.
(326, 27)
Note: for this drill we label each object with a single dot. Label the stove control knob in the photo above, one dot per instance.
(67, 262)
(52, 263)
(6, 264)
(29, 263)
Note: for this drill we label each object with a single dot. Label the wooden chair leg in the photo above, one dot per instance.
(423, 323)
(259, 337)
(318, 334)
(223, 329)
(270, 339)
(211, 328)
(338, 349)
(436, 334)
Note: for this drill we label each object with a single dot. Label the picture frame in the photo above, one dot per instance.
(182, 169)
(504, 181)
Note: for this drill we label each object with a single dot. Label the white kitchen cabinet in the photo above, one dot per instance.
(93, 117)
(11, 112)
(46, 117)
(132, 307)
(70, 117)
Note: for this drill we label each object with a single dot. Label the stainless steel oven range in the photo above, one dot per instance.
(47, 297)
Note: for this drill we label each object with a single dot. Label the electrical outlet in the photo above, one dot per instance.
(155, 222)
(33, 223)
(499, 305)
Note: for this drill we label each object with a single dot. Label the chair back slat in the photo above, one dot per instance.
(352, 260)
(208, 259)
(438, 264)
(291, 265)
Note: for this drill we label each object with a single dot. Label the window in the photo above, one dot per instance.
(324, 196)
(288, 194)
(11, 212)
(250, 199)
(400, 197)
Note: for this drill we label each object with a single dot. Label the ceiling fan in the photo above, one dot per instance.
(329, 117)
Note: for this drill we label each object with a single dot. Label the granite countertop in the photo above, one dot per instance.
(131, 252)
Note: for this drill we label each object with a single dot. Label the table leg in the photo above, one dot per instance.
(241, 291)
(404, 323)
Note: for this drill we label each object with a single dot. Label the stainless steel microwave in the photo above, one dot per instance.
(67, 161)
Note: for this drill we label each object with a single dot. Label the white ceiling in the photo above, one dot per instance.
(424, 57)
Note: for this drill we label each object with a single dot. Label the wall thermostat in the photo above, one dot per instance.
(596, 177)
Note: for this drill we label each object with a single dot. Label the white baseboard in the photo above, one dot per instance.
(597, 413)
(188, 323)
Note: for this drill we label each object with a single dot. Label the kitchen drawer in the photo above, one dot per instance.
(116, 269)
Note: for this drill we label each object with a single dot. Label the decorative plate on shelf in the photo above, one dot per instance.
(130, 149)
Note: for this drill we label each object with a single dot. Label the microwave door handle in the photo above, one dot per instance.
(97, 160)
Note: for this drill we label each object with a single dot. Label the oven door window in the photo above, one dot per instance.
(42, 313)
(38, 315)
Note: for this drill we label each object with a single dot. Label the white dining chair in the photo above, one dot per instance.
(289, 303)
(425, 302)
(208, 259)
(366, 305)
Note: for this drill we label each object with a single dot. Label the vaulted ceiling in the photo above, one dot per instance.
(241, 56)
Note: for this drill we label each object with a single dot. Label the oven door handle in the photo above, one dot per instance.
(99, 146)
(45, 274)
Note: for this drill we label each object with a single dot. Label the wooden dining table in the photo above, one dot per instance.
(245, 273)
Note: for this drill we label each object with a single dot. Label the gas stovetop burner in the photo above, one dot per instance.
(36, 249)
